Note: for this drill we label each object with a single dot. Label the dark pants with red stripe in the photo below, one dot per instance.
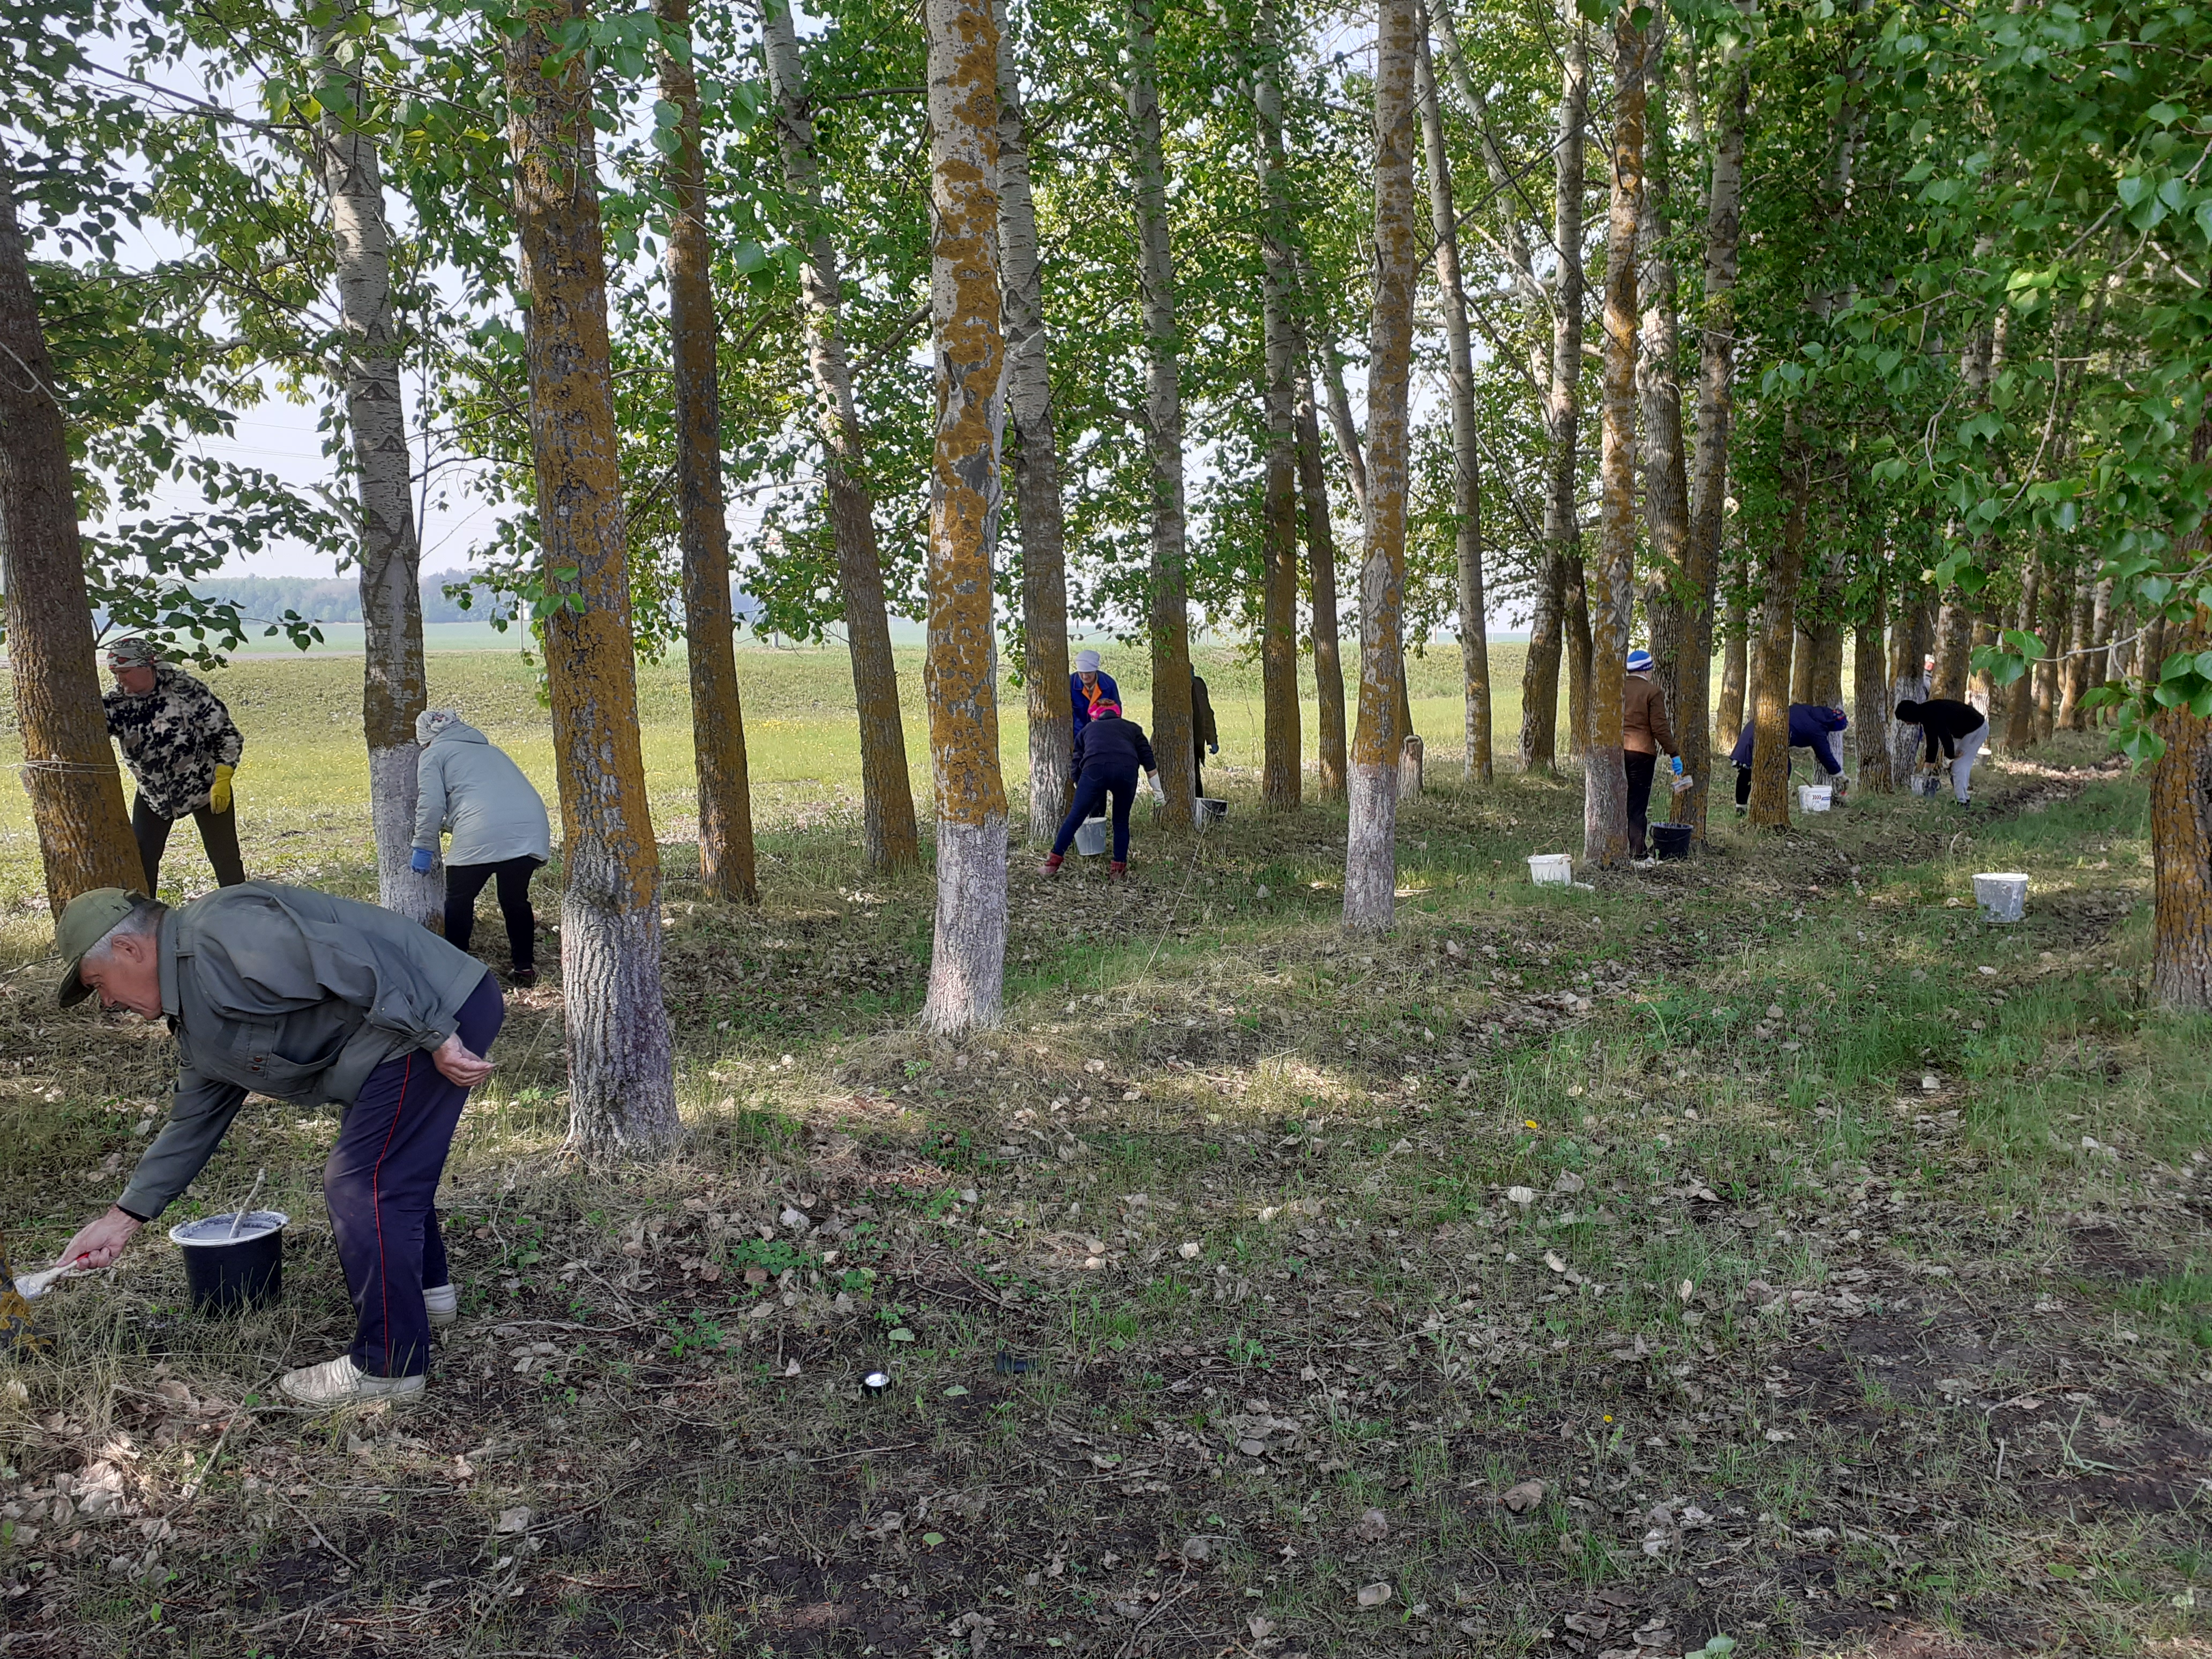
(379, 1183)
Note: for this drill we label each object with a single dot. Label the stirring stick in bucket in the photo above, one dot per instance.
(251, 1192)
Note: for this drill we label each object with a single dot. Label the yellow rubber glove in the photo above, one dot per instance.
(219, 797)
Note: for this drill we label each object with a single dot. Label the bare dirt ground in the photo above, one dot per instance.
(1762, 1250)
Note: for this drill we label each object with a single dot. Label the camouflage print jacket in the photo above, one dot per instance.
(173, 737)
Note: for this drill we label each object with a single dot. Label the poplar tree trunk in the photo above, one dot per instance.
(727, 866)
(394, 686)
(1168, 614)
(622, 1088)
(69, 769)
(1735, 674)
(889, 835)
(1828, 654)
(1370, 850)
(2181, 818)
(1467, 485)
(1770, 755)
(2100, 635)
(968, 959)
(1036, 463)
(1869, 697)
(1674, 601)
(2078, 649)
(1578, 645)
(2020, 711)
(1954, 636)
(1800, 666)
(1281, 775)
(1701, 556)
(1539, 677)
(1611, 574)
(1910, 642)
(2050, 626)
(1321, 567)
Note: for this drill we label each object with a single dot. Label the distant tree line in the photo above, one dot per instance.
(338, 599)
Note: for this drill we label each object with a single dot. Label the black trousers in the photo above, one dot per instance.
(1091, 791)
(465, 881)
(218, 833)
(1641, 768)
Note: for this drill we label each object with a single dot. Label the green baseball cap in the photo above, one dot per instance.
(86, 920)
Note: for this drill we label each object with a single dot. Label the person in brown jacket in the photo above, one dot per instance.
(1645, 736)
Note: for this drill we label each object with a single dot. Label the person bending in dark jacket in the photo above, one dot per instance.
(1205, 735)
(1957, 728)
(1809, 727)
(1109, 750)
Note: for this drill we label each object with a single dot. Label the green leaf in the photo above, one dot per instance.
(901, 1334)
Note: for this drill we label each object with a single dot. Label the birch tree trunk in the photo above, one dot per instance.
(1770, 755)
(1320, 568)
(727, 869)
(1612, 573)
(394, 686)
(1370, 845)
(69, 769)
(1539, 677)
(1169, 615)
(622, 1088)
(1701, 556)
(889, 835)
(1467, 484)
(967, 961)
(1281, 775)
(1036, 462)
(1675, 604)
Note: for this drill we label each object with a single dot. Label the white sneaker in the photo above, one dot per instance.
(443, 1303)
(339, 1382)
(1645, 864)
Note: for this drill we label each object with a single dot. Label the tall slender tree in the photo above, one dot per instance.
(1370, 843)
(1035, 447)
(622, 1089)
(727, 868)
(69, 769)
(395, 687)
(1281, 774)
(1321, 569)
(1670, 600)
(968, 959)
(889, 835)
(1784, 566)
(1168, 612)
(1467, 485)
(1611, 574)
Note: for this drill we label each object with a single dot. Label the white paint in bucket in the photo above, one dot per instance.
(216, 1229)
(1551, 869)
(2003, 895)
(1090, 836)
(1815, 796)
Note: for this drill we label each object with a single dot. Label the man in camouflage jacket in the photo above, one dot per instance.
(182, 747)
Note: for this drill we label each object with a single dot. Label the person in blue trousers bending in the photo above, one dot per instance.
(1109, 750)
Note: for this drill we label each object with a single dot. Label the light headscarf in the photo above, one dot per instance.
(431, 721)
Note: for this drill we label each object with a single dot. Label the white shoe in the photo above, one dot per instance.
(1645, 864)
(443, 1303)
(339, 1382)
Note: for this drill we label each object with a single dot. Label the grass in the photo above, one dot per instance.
(1838, 1294)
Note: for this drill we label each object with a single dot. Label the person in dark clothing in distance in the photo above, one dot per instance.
(1958, 728)
(1205, 735)
(1109, 752)
(1810, 727)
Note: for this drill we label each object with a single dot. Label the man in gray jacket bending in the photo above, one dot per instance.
(285, 992)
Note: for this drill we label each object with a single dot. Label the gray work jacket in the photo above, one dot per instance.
(471, 786)
(287, 992)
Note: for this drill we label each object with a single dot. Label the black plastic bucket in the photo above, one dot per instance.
(1670, 841)
(226, 1273)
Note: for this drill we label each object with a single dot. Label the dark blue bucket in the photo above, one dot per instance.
(226, 1273)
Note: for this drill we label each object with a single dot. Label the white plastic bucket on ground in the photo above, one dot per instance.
(1210, 811)
(1090, 836)
(2002, 897)
(1551, 869)
(1815, 796)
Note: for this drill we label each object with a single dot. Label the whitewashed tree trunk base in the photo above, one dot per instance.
(967, 964)
(621, 1091)
(1370, 857)
(392, 797)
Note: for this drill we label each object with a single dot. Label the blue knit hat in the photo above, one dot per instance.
(1638, 661)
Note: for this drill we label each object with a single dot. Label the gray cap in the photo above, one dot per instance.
(1086, 662)
(86, 920)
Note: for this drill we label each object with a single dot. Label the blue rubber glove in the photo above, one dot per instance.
(421, 863)
(1678, 766)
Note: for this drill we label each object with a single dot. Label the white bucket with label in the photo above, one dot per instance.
(2002, 897)
(1551, 869)
(1815, 796)
(1090, 836)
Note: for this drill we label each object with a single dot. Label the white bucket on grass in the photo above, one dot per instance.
(1551, 869)
(2003, 895)
(1090, 836)
(1815, 796)
(1210, 811)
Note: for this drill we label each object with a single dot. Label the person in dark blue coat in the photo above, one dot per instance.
(1810, 727)
(1109, 752)
(1088, 687)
